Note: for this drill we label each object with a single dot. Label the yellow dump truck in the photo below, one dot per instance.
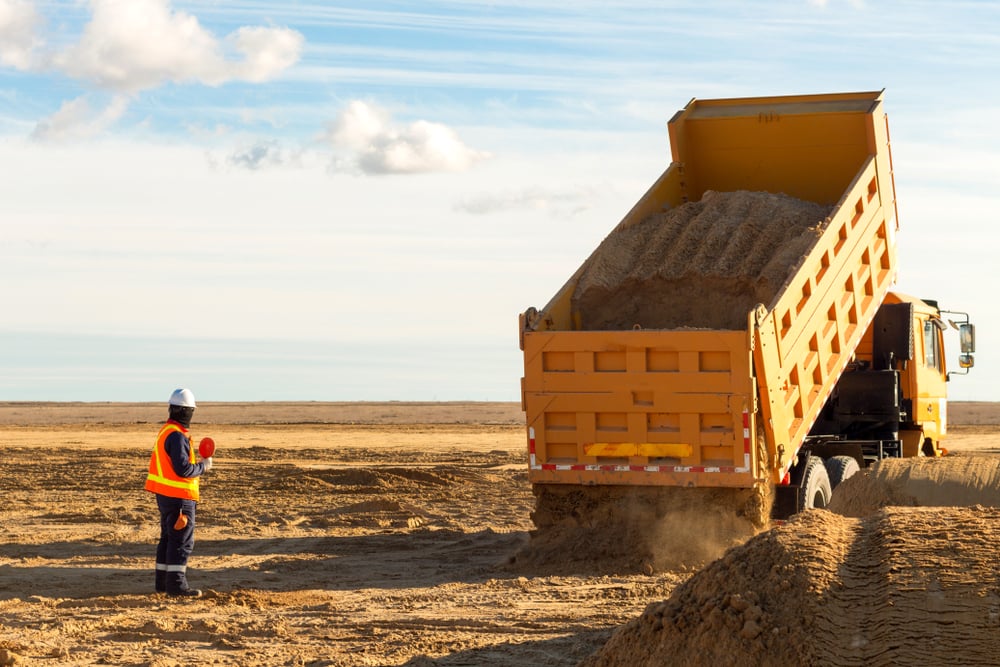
(631, 378)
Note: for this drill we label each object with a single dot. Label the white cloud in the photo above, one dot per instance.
(131, 45)
(559, 203)
(264, 153)
(380, 147)
(19, 23)
(77, 120)
(358, 125)
(266, 51)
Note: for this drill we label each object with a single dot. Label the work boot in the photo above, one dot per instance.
(185, 593)
(161, 581)
(177, 586)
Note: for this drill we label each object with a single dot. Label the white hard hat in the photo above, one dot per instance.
(183, 398)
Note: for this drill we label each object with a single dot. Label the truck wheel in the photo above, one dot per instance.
(839, 468)
(814, 489)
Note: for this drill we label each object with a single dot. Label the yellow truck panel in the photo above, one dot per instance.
(639, 407)
(806, 338)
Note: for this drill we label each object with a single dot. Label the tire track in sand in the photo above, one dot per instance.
(917, 586)
(906, 585)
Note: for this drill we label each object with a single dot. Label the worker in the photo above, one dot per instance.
(173, 477)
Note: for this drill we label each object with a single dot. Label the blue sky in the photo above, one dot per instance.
(353, 201)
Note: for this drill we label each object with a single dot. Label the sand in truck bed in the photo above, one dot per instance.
(704, 264)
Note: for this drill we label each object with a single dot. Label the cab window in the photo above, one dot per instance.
(932, 346)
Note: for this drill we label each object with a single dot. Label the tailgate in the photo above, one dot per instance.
(650, 407)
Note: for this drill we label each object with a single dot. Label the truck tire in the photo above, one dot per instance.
(814, 489)
(839, 468)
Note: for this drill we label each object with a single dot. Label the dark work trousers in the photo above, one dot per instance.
(175, 546)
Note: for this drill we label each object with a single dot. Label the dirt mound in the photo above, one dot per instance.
(703, 264)
(615, 530)
(956, 481)
(903, 586)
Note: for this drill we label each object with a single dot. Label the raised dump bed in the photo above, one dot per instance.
(698, 343)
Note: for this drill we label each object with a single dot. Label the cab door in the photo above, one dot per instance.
(928, 378)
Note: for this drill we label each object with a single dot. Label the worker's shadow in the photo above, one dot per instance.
(385, 560)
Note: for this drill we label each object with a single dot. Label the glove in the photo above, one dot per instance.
(208, 463)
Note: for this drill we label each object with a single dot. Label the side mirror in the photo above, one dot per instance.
(967, 340)
(966, 361)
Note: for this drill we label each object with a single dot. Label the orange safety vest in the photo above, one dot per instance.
(161, 478)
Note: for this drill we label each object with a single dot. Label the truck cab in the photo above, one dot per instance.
(892, 398)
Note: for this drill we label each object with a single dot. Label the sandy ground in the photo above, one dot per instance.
(345, 534)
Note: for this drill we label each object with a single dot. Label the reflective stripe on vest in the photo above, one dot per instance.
(161, 478)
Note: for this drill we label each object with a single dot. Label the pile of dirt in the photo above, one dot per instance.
(704, 264)
(624, 530)
(957, 481)
(906, 585)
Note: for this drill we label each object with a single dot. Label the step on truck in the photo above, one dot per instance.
(632, 381)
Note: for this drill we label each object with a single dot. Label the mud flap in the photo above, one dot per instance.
(786, 501)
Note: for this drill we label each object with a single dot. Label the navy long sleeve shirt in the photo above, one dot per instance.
(179, 450)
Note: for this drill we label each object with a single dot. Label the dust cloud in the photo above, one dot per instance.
(621, 529)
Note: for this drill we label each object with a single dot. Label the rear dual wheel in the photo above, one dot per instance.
(814, 486)
(839, 468)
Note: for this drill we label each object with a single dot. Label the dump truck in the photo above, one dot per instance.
(634, 383)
